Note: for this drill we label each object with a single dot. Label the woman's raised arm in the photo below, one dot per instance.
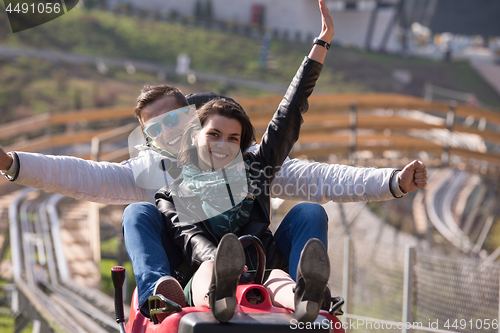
(318, 52)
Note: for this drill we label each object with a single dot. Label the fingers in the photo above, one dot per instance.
(418, 165)
(5, 160)
(420, 182)
(415, 165)
(327, 32)
(322, 6)
(420, 174)
(414, 176)
(324, 9)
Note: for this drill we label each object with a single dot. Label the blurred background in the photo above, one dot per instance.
(403, 80)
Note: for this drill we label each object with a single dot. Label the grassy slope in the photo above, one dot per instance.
(38, 86)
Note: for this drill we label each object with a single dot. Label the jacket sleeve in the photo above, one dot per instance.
(192, 238)
(283, 129)
(104, 182)
(321, 182)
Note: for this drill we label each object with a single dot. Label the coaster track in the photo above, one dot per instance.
(44, 293)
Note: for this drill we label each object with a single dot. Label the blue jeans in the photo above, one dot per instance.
(303, 222)
(153, 254)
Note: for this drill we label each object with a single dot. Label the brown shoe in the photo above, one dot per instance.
(171, 289)
(313, 272)
(228, 266)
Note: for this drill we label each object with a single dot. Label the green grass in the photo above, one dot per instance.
(99, 33)
(7, 322)
(107, 284)
(492, 241)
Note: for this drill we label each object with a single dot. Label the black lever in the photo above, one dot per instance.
(118, 277)
(336, 309)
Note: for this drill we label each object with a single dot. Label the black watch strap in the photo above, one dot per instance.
(321, 42)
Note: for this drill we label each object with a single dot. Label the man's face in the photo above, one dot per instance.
(169, 137)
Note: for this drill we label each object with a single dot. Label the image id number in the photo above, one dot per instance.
(41, 8)
(477, 324)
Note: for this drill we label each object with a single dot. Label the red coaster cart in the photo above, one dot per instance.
(254, 311)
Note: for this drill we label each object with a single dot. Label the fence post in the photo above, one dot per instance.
(347, 275)
(450, 120)
(408, 287)
(353, 120)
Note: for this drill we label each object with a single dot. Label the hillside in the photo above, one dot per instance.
(30, 86)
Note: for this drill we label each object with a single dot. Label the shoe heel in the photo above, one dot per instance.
(307, 311)
(224, 309)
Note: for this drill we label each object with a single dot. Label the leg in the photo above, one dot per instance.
(303, 222)
(148, 246)
(280, 287)
(201, 283)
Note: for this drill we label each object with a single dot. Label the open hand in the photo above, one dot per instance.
(327, 31)
(413, 177)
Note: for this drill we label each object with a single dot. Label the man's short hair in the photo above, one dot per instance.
(150, 94)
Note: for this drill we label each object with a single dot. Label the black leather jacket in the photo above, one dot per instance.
(197, 242)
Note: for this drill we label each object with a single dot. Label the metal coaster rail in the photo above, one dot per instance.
(44, 292)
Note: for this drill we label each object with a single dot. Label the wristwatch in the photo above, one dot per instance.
(322, 43)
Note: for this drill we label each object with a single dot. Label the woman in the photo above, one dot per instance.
(210, 203)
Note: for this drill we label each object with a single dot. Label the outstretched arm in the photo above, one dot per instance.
(112, 183)
(322, 182)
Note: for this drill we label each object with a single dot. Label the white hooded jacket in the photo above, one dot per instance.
(138, 179)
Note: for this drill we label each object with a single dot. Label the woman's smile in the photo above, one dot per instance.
(219, 155)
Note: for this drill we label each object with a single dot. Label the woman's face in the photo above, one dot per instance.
(218, 142)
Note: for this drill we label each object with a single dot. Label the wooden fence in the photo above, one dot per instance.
(341, 125)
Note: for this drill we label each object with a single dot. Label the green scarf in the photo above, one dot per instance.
(226, 195)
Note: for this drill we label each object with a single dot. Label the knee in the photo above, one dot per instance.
(140, 212)
(311, 213)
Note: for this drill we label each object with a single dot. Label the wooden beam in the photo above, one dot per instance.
(117, 155)
(338, 103)
(50, 141)
(427, 147)
(92, 115)
(23, 126)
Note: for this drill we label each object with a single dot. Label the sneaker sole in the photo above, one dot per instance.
(172, 290)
